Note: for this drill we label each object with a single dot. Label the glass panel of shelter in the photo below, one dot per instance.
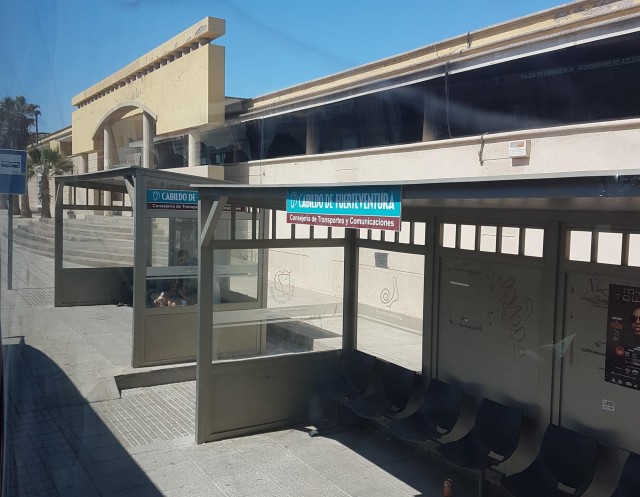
(513, 240)
(299, 299)
(172, 264)
(96, 238)
(291, 306)
(618, 247)
(236, 270)
(390, 306)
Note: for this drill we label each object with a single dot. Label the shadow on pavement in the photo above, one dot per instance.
(56, 445)
(409, 467)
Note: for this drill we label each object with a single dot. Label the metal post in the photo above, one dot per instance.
(350, 295)
(10, 245)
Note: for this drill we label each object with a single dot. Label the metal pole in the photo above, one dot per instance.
(350, 295)
(10, 245)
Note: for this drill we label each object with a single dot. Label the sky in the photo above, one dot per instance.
(51, 50)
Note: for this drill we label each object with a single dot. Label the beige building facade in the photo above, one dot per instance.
(550, 95)
(168, 110)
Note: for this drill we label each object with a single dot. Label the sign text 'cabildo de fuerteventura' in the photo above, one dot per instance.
(172, 199)
(376, 208)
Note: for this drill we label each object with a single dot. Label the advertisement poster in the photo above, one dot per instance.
(622, 363)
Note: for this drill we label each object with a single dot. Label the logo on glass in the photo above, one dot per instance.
(390, 296)
(282, 287)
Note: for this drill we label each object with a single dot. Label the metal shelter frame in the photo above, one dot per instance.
(249, 395)
(109, 285)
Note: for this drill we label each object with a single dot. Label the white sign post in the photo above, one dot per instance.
(13, 180)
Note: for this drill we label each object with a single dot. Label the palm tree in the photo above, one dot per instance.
(17, 116)
(46, 162)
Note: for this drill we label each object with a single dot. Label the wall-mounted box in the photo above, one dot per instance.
(519, 148)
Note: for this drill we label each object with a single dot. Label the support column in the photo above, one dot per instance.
(427, 119)
(209, 213)
(84, 163)
(194, 148)
(84, 168)
(312, 145)
(147, 141)
(98, 195)
(107, 158)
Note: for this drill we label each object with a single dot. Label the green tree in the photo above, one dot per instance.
(17, 117)
(44, 163)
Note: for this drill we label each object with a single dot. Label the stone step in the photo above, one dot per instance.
(84, 250)
(79, 227)
(40, 238)
(43, 238)
(93, 250)
(82, 231)
(81, 258)
(95, 241)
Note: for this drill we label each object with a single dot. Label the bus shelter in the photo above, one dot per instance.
(516, 289)
(129, 236)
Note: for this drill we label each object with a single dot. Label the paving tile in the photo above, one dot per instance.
(61, 460)
(293, 471)
(390, 493)
(268, 492)
(415, 469)
(79, 490)
(195, 491)
(361, 483)
(74, 476)
(147, 490)
(313, 488)
(142, 444)
(222, 465)
(159, 458)
(184, 442)
(178, 476)
(243, 483)
(106, 453)
(122, 482)
(267, 455)
(338, 463)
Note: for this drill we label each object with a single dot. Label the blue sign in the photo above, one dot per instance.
(362, 207)
(172, 199)
(13, 171)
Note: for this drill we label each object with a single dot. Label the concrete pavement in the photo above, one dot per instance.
(70, 432)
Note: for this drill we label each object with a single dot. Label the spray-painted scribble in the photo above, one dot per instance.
(596, 292)
(514, 310)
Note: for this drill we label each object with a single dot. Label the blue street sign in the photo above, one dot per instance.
(172, 199)
(13, 171)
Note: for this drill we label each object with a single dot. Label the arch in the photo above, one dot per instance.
(120, 110)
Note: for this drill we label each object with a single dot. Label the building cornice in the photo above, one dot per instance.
(576, 16)
(201, 33)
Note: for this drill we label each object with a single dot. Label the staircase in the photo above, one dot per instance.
(95, 241)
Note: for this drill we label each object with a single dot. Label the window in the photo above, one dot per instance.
(512, 240)
(390, 307)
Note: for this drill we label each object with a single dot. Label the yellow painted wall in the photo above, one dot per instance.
(184, 93)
